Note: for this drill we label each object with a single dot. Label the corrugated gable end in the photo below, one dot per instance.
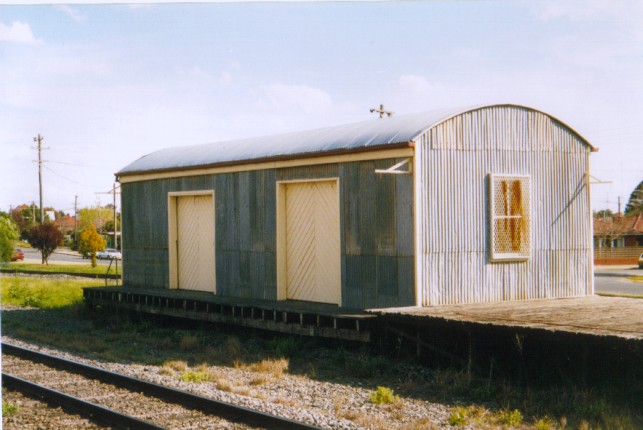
(454, 159)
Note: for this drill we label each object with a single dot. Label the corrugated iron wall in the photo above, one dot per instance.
(376, 214)
(453, 161)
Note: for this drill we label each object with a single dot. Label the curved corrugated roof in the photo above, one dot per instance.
(374, 133)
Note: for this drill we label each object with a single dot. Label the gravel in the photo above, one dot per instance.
(326, 404)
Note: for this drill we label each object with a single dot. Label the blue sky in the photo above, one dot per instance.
(106, 84)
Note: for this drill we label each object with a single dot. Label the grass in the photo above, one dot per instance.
(76, 269)
(43, 293)
(50, 312)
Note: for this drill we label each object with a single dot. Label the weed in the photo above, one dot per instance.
(368, 367)
(224, 385)
(166, 371)
(421, 424)
(177, 365)
(545, 423)
(510, 418)
(192, 376)
(276, 367)
(312, 371)
(458, 416)
(383, 395)
(16, 290)
(285, 346)
(260, 380)
(9, 408)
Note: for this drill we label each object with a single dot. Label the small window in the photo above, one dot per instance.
(510, 217)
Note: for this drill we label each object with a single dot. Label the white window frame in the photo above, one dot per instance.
(525, 188)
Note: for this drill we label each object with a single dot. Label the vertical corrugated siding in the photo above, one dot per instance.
(453, 161)
(376, 218)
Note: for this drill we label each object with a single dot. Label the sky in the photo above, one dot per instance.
(105, 84)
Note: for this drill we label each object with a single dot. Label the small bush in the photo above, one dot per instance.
(9, 408)
(510, 418)
(285, 346)
(192, 376)
(458, 417)
(383, 395)
(545, 423)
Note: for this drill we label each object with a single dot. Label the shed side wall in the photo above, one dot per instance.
(376, 218)
(453, 161)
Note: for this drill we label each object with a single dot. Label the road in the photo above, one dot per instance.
(616, 281)
(62, 256)
(606, 281)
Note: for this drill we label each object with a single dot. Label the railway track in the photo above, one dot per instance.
(121, 401)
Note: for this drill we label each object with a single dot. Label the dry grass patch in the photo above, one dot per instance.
(286, 401)
(274, 367)
(177, 365)
(420, 424)
(371, 421)
(261, 380)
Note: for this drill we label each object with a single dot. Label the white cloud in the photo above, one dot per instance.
(17, 32)
(72, 13)
(419, 84)
(283, 97)
(587, 10)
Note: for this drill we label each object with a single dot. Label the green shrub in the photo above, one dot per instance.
(285, 346)
(192, 376)
(458, 417)
(383, 395)
(9, 408)
(510, 418)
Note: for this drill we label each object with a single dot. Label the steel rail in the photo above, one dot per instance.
(228, 411)
(94, 412)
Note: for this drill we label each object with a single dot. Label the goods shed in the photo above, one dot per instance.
(468, 205)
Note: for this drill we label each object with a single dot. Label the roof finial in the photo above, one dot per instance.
(381, 111)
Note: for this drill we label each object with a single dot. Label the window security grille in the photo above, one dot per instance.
(510, 217)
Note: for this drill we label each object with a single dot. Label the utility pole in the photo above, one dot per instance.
(39, 139)
(619, 205)
(75, 218)
(113, 191)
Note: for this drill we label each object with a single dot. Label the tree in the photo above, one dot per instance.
(8, 234)
(90, 242)
(604, 213)
(635, 203)
(46, 238)
(95, 215)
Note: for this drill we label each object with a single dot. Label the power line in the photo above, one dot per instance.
(70, 180)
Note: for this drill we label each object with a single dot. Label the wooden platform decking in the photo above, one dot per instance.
(303, 318)
(598, 316)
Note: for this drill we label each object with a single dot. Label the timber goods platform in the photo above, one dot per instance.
(296, 317)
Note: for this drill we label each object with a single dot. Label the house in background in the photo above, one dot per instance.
(618, 239)
(468, 205)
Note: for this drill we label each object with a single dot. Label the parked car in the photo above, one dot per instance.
(109, 254)
(641, 261)
(17, 255)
